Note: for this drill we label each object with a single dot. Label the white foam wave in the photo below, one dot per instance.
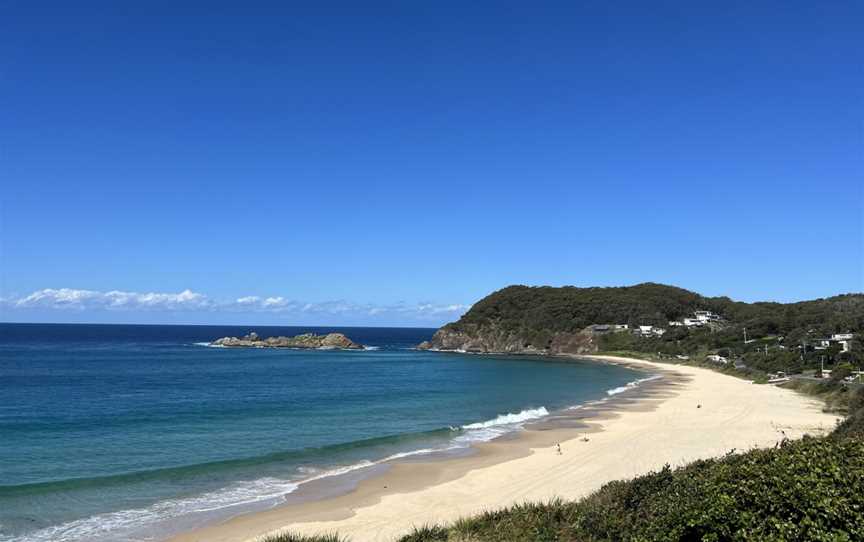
(210, 345)
(510, 418)
(496, 427)
(631, 385)
(371, 348)
(129, 524)
(616, 391)
(336, 471)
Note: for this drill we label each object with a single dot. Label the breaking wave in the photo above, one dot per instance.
(510, 419)
(631, 385)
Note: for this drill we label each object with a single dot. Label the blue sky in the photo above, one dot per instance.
(391, 163)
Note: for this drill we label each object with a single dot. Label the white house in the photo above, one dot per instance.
(717, 359)
(647, 331)
(676, 323)
(706, 316)
(690, 322)
(843, 339)
(822, 344)
(700, 318)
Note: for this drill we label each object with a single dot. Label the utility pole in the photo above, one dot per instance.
(745, 335)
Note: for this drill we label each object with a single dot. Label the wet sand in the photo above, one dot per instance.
(630, 434)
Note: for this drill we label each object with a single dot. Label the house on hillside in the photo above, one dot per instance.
(608, 328)
(844, 340)
(706, 316)
(714, 358)
(699, 318)
(691, 322)
(650, 331)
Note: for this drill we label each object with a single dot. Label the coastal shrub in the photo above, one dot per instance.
(841, 371)
(835, 396)
(427, 533)
(853, 425)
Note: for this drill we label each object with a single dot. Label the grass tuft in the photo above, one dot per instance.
(292, 537)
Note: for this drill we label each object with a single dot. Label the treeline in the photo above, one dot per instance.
(571, 309)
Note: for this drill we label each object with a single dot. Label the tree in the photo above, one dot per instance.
(841, 371)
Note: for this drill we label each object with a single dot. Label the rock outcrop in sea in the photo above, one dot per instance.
(336, 341)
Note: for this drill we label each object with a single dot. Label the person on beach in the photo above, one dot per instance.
(559, 449)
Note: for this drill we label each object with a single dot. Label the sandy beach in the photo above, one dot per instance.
(691, 413)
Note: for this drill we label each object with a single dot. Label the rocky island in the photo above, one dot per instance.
(335, 341)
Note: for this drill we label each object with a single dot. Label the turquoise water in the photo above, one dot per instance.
(131, 432)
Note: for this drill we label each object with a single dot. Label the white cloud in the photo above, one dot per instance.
(188, 300)
(69, 298)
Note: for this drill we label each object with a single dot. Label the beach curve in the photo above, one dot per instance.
(693, 413)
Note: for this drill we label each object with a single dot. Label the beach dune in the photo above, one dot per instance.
(697, 414)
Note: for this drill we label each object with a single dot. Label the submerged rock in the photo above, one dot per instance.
(306, 340)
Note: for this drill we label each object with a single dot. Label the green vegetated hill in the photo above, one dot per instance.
(781, 336)
(809, 489)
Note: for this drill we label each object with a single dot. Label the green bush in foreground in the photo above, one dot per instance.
(853, 425)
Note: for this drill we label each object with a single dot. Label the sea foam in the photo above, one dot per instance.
(510, 419)
(210, 345)
(496, 427)
(631, 385)
(128, 524)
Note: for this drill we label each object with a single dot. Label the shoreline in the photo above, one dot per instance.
(630, 434)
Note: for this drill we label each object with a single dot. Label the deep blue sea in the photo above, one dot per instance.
(122, 432)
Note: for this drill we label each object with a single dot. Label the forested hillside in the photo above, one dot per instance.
(558, 320)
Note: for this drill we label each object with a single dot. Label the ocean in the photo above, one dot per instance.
(126, 432)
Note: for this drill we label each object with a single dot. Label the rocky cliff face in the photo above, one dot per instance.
(307, 340)
(492, 339)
